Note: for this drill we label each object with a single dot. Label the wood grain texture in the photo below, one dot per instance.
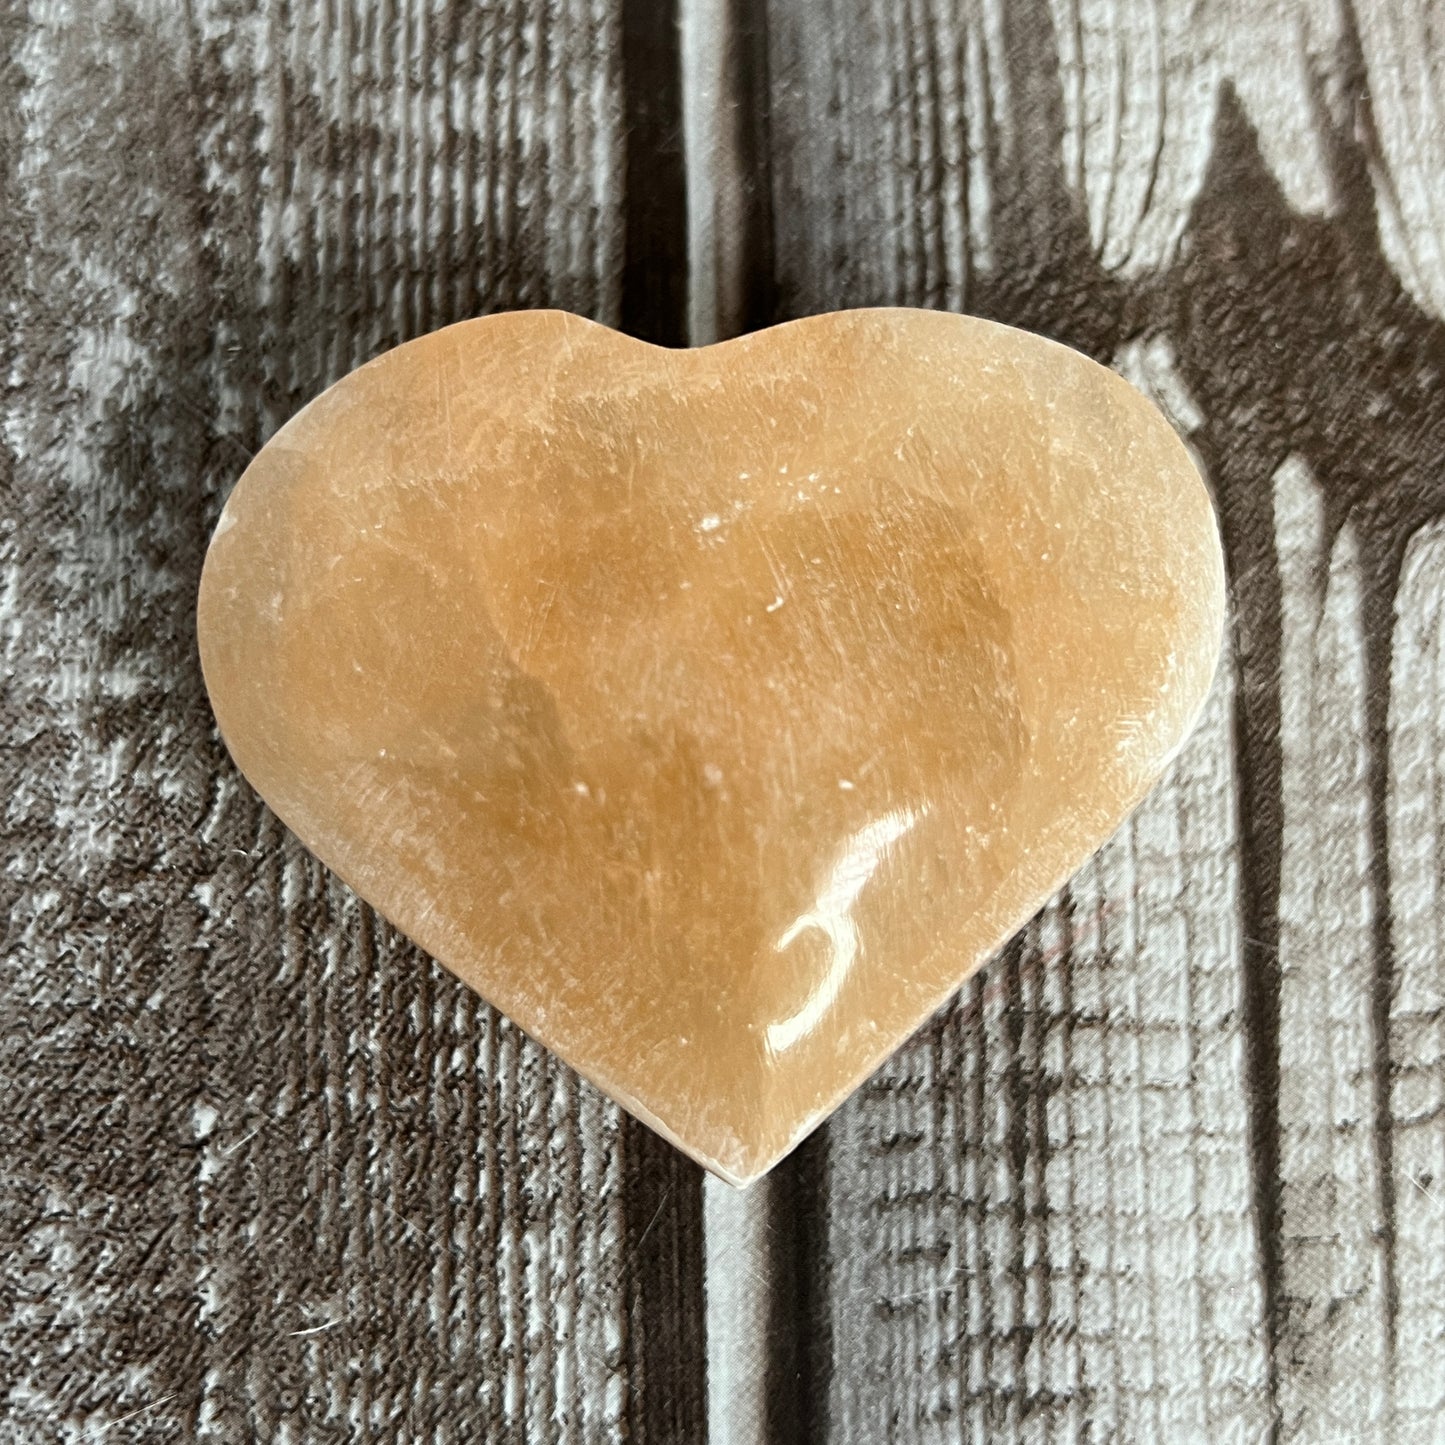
(1206, 195)
(1040, 1211)
(1402, 44)
(1334, 1327)
(1055, 1184)
(1173, 1167)
(269, 1173)
(1417, 1011)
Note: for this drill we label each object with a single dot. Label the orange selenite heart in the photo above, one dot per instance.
(714, 713)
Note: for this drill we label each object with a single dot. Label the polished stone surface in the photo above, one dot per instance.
(714, 714)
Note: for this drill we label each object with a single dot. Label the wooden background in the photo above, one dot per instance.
(1173, 1167)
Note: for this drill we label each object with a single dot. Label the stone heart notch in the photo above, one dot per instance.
(714, 713)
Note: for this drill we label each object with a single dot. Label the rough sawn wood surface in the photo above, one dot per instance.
(1173, 1167)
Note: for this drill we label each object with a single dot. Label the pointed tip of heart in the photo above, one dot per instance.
(714, 713)
(735, 1160)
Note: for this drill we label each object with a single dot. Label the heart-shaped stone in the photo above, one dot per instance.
(714, 713)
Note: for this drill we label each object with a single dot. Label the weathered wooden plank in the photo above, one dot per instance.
(1040, 1212)
(1402, 44)
(992, 1276)
(399, 1172)
(1141, 94)
(1417, 1013)
(1334, 1340)
(269, 1173)
(1141, 87)
(739, 1297)
(879, 177)
(1153, 1204)
(726, 94)
(1214, 174)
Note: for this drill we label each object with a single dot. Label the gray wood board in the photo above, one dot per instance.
(1172, 1167)
(268, 1173)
